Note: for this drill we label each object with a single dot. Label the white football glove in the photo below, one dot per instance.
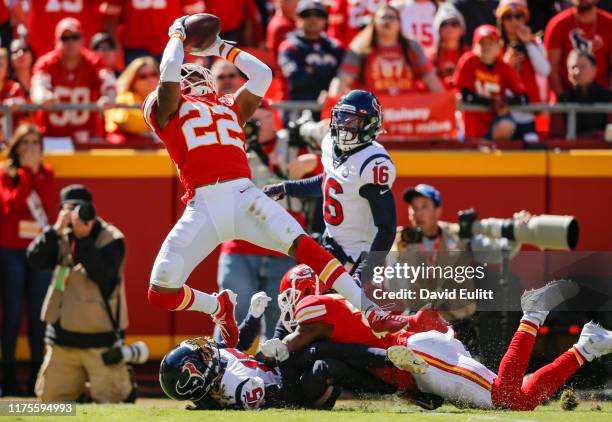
(214, 49)
(259, 303)
(178, 28)
(276, 349)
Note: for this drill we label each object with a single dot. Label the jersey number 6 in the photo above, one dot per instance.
(331, 206)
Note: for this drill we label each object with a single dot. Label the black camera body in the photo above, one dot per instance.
(519, 47)
(251, 134)
(86, 212)
(411, 235)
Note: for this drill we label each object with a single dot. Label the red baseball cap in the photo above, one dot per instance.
(68, 24)
(485, 31)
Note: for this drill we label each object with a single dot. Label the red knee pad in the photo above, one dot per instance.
(167, 301)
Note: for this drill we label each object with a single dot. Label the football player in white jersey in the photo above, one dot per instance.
(358, 206)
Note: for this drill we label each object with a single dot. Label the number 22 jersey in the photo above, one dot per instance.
(348, 217)
(204, 138)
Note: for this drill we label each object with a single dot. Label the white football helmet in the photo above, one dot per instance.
(197, 80)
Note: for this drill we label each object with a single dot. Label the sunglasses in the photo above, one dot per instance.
(313, 13)
(510, 16)
(21, 50)
(148, 75)
(452, 23)
(30, 141)
(228, 76)
(73, 37)
(104, 47)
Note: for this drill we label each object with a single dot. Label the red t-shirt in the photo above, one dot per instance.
(349, 327)
(84, 84)
(17, 224)
(486, 82)
(5, 14)
(145, 22)
(45, 14)
(278, 28)
(204, 139)
(445, 61)
(385, 71)
(232, 13)
(563, 32)
(348, 17)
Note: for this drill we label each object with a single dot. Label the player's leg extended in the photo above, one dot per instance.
(507, 390)
(269, 225)
(191, 239)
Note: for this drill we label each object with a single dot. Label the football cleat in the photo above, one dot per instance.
(382, 322)
(595, 341)
(225, 318)
(405, 359)
(548, 297)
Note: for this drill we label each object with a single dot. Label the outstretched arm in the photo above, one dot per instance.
(169, 90)
(250, 94)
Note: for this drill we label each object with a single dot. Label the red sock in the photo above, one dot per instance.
(506, 390)
(322, 262)
(546, 380)
(172, 301)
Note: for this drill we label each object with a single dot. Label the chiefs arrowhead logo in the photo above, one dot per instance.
(191, 383)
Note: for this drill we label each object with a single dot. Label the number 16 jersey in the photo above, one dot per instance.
(348, 217)
(204, 138)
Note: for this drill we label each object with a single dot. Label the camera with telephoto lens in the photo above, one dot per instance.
(411, 235)
(295, 126)
(543, 231)
(136, 353)
(86, 212)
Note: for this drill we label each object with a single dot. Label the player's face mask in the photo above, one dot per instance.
(345, 130)
(197, 80)
(302, 285)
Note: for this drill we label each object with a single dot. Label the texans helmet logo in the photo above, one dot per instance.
(190, 382)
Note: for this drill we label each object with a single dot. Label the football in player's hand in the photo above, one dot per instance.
(201, 30)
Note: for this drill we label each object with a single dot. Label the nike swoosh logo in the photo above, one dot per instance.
(382, 192)
(379, 162)
(244, 190)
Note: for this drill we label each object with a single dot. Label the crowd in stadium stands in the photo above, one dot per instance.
(83, 52)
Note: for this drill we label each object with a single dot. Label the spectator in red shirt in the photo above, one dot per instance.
(240, 20)
(44, 15)
(483, 78)
(282, 23)
(26, 200)
(525, 54)
(584, 27)
(22, 59)
(383, 61)
(450, 27)
(145, 23)
(71, 74)
(348, 17)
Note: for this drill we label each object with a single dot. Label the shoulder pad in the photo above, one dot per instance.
(378, 169)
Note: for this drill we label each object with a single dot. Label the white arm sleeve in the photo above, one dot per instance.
(538, 59)
(172, 60)
(259, 74)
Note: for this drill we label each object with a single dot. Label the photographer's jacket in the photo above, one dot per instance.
(74, 307)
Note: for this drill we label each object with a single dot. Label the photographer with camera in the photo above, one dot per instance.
(273, 156)
(433, 242)
(85, 308)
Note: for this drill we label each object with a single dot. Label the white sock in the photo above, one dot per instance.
(203, 302)
(348, 287)
(535, 317)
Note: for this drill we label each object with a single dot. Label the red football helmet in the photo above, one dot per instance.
(300, 281)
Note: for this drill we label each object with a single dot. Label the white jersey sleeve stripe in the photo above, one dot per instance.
(310, 312)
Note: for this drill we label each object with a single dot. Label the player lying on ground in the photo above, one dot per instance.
(204, 137)
(449, 371)
(455, 376)
(358, 205)
(308, 316)
(214, 376)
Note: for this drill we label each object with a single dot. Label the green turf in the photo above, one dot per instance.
(349, 411)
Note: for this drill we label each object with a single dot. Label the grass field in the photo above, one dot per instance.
(346, 410)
